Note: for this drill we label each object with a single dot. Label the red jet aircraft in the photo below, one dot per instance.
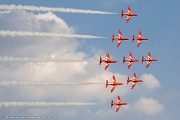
(129, 14)
(149, 59)
(107, 61)
(140, 38)
(114, 83)
(135, 80)
(120, 38)
(119, 103)
(131, 60)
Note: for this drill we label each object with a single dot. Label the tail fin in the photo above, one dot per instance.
(106, 83)
(124, 59)
(122, 13)
(112, 37)
(112, 103)
(142, 59)
(100, 61)
(133, 38)
(128, 80)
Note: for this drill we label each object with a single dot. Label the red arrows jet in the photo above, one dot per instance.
(149, 59)
(129, 14)
(135, 80)
(119, 103)
(114, 83)
(131, 60)
(120, 38)
(140, 38)
(107, 61)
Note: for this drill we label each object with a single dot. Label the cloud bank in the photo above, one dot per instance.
(150, 82)
(148, 106)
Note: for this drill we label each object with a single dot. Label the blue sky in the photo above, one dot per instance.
(158, 20)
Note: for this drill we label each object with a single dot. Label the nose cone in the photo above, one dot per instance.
(140, 81)
(135, 14)
(136, 60)
(113, 61)
(125, 103)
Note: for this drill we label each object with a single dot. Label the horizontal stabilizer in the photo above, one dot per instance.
(122, 13)
(106, 83)
(112, 103)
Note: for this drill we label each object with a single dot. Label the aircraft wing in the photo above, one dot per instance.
(129, 10)
(140, 34)
(108, 56)
(113, 87)
(134, 84)
(148, 64)
(114, 78)
(131, 56)
(118, 107)
(128, 18)
(107, 65)
(130, 64)
(149, 56)
(135, 77)
(120, 34)
(119, 43)
(139, 43)
(119, 99)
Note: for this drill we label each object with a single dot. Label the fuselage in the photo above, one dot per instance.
(116, 83)
(130, 14)
(135, 81)
(128, 60)
(150, 60)
(138, 38)
(133, 60)
(138, 81)
(116, 38)
(120, 103)
(110, 61)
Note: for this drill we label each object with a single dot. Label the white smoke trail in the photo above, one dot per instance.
(34, 83)
(26, 59)
(42, 34)
(49, 9)
(42, 104)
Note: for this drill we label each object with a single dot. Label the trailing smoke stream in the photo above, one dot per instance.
(50, 9)
(42, 34)
(34, 83)
(26, 59)
(42, 104)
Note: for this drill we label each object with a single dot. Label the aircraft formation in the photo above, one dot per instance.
(108, 59)
(130, 61)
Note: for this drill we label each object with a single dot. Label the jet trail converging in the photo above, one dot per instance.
(35, 83)
(43, 104)
(42, 34)
(26, 59)
(49, 9)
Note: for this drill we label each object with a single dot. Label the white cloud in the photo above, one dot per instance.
(149, 81)
(148, 106)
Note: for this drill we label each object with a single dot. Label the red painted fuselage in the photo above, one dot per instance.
(108, 60)
(119, 103)
(114, 83)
